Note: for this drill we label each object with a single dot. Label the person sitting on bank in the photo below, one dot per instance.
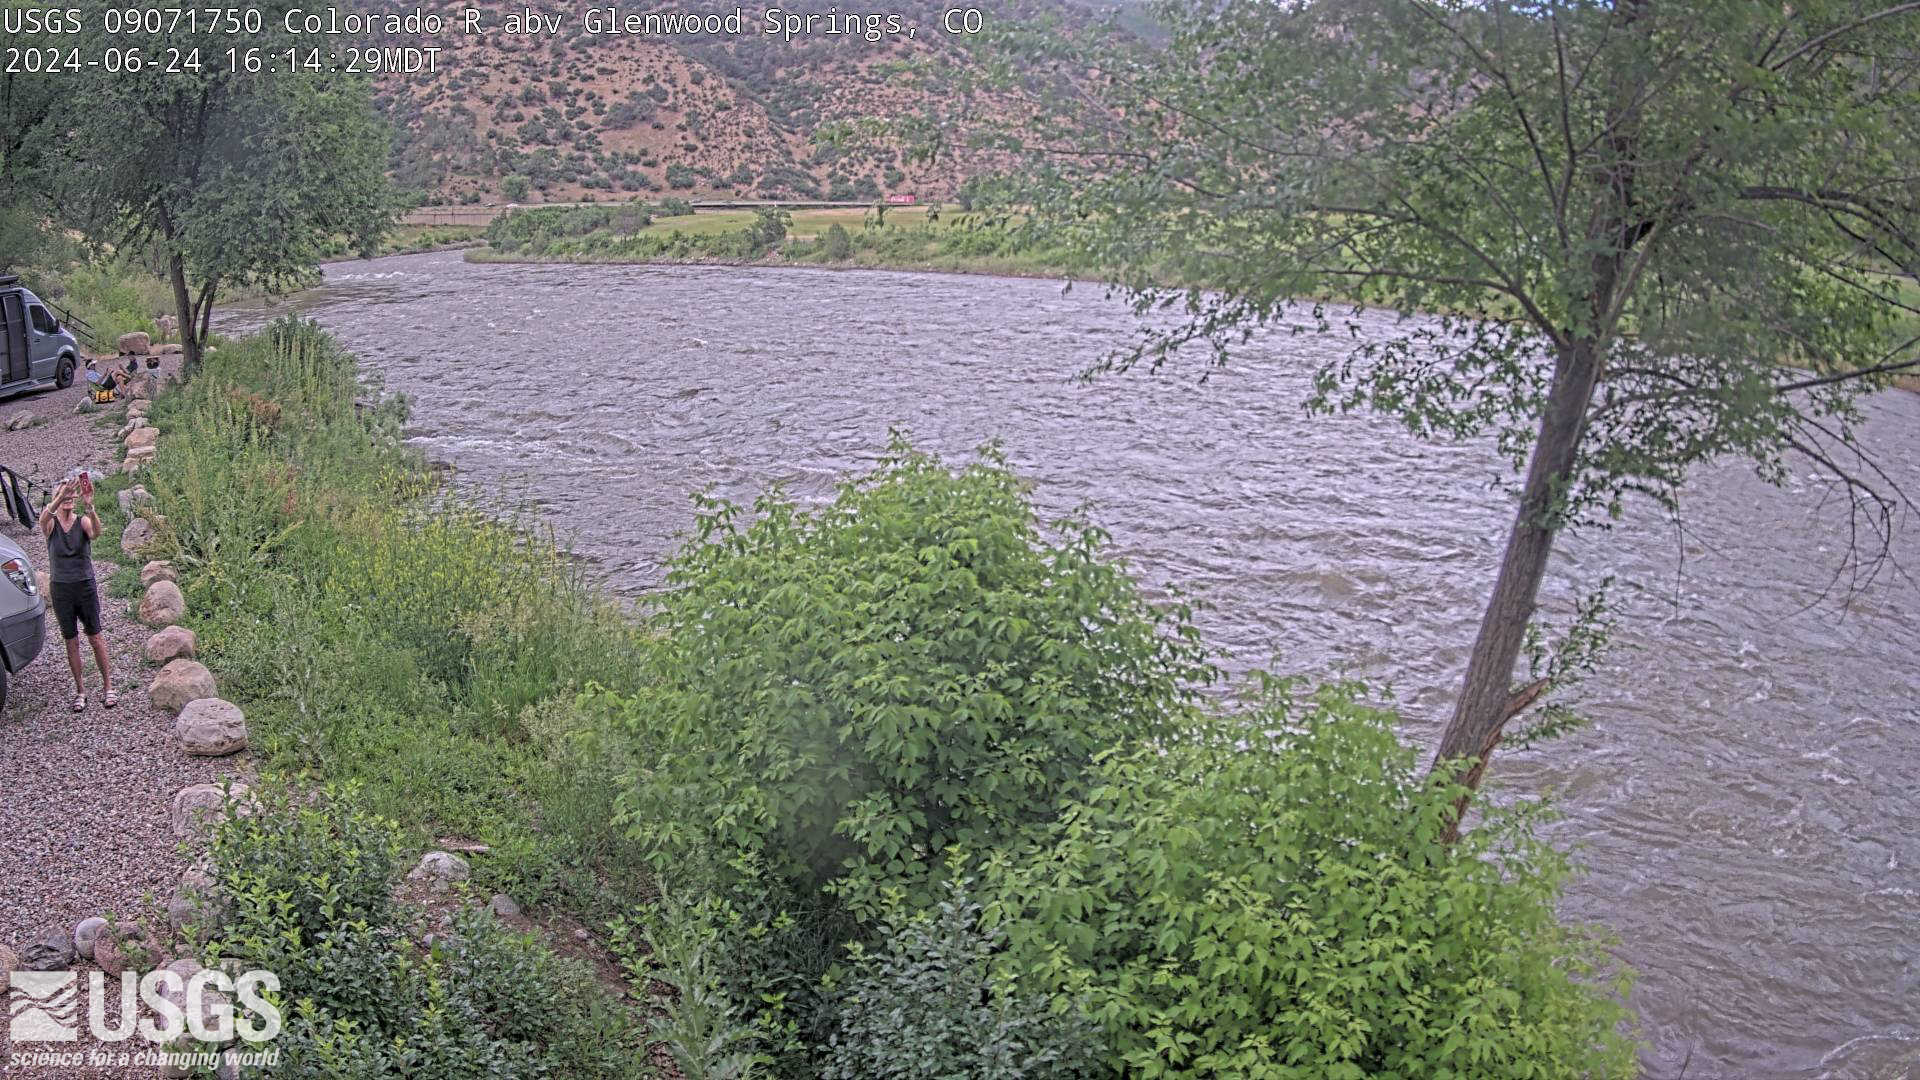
(76, 600)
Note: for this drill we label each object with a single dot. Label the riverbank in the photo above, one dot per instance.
(293, 505)
(481, 253)
(367, 737)
(908, 239)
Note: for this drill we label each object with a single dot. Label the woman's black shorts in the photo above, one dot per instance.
(76, 603)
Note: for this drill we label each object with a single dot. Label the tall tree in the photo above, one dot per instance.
(236, 169)
(29, 137)
(1654, 232)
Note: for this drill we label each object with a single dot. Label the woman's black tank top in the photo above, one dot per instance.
(69, 552)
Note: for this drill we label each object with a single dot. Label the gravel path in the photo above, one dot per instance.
(84, 799)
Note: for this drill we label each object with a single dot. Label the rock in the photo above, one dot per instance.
(163, 604)
(178, 1057)
(86, 934)
(123, 949)
(138, 408)
(157, 570)
(210, 727)
(141, 386)
(142, 436)
(136, 424)
(174, 349)
(21, 422)
(503, 906)
(195, 805)
(187, 967)
(9, 963)
(439, 868)
(52, 950)
(180, 682)
(173, 643)
(136, 535)
(135, 343)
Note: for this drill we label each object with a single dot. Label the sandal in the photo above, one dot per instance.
(80, 703)
(109, 700)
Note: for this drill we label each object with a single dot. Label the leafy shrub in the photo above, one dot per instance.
(769, 228)
(305, 868)
(839, 696)
(674, 207)
(680, 176)
(515, 228)
(514, 187)
(699, 1025)
(307, 884)
(838, 245)
(1268, 895)
(925, 1005)
(637, 109)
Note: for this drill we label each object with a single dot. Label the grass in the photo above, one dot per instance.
(380, 633)
(910, 239)
(409, 239)
(806, 223)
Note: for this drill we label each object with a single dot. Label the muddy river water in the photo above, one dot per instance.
(1744, 801)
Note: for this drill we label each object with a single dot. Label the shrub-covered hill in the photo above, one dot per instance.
(582, 115)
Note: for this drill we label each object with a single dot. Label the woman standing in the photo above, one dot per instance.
(76, 600)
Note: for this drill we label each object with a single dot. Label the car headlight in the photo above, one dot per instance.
(20, 574)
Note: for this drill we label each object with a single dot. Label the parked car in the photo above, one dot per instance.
(23, 614)
(36, 351)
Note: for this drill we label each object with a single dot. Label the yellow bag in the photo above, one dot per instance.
(102, 395)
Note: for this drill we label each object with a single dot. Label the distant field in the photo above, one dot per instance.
(482, 216)
(806, 223)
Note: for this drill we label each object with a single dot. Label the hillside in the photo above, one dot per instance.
(582, 115)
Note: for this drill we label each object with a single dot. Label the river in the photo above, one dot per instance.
(1743, 800)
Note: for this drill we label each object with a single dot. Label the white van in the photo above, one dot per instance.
(36, 351)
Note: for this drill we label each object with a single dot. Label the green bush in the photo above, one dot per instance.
(925, 1005)
(769, 228)
(840, 696)
(514, 187)
(838, 245)
(305, 885)
(699, 1022)
(1269, 896)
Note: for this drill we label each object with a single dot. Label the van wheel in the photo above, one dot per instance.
(3, 688)
(63, 376)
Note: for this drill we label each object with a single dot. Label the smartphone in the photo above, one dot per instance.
(86, 482)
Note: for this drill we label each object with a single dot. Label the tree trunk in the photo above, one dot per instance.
(206, 320)
(189, 337)
(1487, 699)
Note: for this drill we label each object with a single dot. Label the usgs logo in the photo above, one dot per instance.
(159, 1007)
